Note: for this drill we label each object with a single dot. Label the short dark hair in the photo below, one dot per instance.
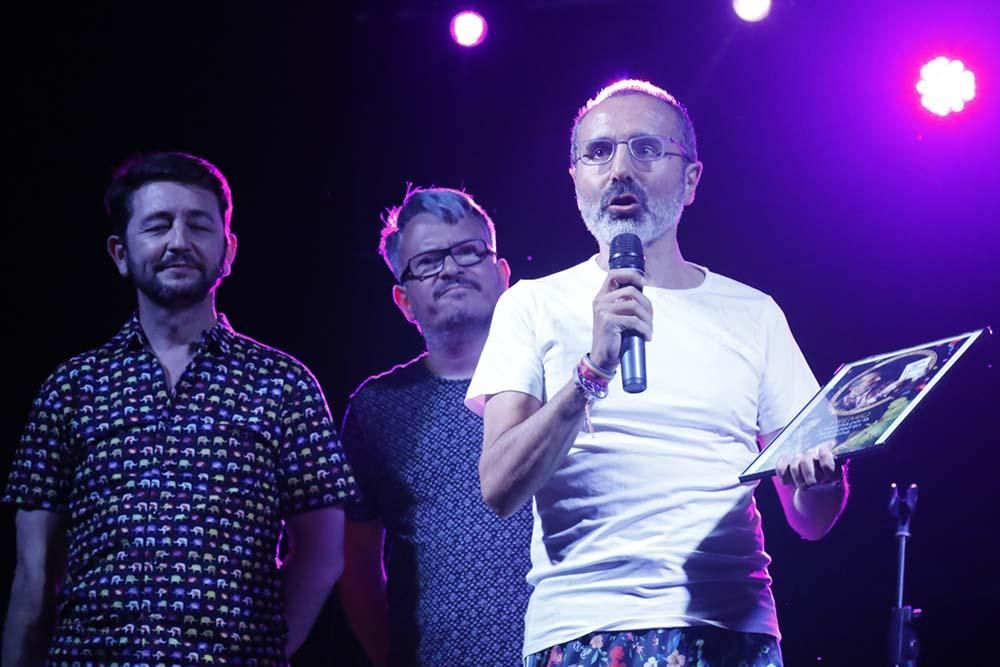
(445, 204)
(687, 139)
(175, 167)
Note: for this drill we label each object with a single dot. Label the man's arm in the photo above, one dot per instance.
(315, 561)
(524, 442)
(41, 561)
(362, 588)
(812, 488)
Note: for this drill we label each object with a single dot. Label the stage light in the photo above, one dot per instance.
(752, 10)
(945, 86)
(468, 28)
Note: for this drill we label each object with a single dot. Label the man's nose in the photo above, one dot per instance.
(178, 237)
(449, 266)
(622, 163)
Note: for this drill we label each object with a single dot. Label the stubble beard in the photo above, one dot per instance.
(179, 296)
(458, 326)
(652, 222)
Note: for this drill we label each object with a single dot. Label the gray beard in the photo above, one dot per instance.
(655, 219)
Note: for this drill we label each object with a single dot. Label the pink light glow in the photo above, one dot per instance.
(468, 28)
(945, 86)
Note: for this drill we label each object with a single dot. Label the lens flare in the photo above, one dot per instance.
(945, 86)
(468, 29)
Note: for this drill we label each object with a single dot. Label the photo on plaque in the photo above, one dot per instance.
(864, 402)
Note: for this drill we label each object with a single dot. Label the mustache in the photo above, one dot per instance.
(457, 280)
(622, 188)
(178, 260)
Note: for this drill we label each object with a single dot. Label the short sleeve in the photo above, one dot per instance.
(511, 359)
(787, 383)
(41, 474)
(361, 452)
(314, 471)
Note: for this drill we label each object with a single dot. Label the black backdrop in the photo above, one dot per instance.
(873, 223)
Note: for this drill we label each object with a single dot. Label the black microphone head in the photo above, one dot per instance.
(626, 253)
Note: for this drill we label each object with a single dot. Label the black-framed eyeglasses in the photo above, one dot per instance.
(642, 147)
(428, 264)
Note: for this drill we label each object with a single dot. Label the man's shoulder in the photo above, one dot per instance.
(559, 284)
(581, 271)
(250, 350)
(89, 362)
(725, 286)
(731, 298)
(401, 376)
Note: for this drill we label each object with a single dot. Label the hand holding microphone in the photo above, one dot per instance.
(623, 316)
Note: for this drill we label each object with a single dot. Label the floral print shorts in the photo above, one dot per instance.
(702, 646)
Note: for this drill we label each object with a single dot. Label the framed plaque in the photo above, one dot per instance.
(864, 402)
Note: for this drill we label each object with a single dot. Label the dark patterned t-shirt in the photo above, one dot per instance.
(175, 498)
(456, 587)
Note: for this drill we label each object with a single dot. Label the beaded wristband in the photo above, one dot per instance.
(591, 390)
(589, 383)
(589, 363)
(592, 386)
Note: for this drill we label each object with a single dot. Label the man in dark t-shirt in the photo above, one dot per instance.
(431, 575)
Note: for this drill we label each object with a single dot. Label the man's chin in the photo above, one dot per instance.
(464, 317)
(608, 228)
(175, 296)
(176, 301)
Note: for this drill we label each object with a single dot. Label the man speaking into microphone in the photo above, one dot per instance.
(624, 396)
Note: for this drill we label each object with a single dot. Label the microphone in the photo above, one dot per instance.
(626, 253)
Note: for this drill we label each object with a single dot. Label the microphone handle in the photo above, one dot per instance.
(633, 366)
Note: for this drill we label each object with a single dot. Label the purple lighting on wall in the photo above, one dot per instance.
(945, 86)
(468, 28)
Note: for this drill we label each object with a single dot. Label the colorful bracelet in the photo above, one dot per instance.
(589, 363)
(592, 385)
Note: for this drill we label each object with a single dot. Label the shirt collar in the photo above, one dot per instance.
(220, 337)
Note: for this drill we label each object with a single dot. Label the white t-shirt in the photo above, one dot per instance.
(645, 523)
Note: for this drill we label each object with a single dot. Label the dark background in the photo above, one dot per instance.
(873, 223)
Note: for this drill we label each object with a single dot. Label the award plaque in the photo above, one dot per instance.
(864, 402)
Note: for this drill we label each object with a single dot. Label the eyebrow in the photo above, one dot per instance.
(457, 243)
(632, 135)
(168, 215)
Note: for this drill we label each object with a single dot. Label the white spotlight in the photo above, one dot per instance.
(945, 86)
(468, 28)
(752, 10)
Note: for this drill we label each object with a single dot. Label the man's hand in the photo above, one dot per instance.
(813, 490)
(619, 306)
(811, 468)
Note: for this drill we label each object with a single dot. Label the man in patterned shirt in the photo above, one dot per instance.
(456, 592)
(155, 471)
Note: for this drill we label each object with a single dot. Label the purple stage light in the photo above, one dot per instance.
(468, 28)
(752, 10)
(945, 86)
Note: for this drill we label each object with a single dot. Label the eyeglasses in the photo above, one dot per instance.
(642, 147)
(429, 264)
